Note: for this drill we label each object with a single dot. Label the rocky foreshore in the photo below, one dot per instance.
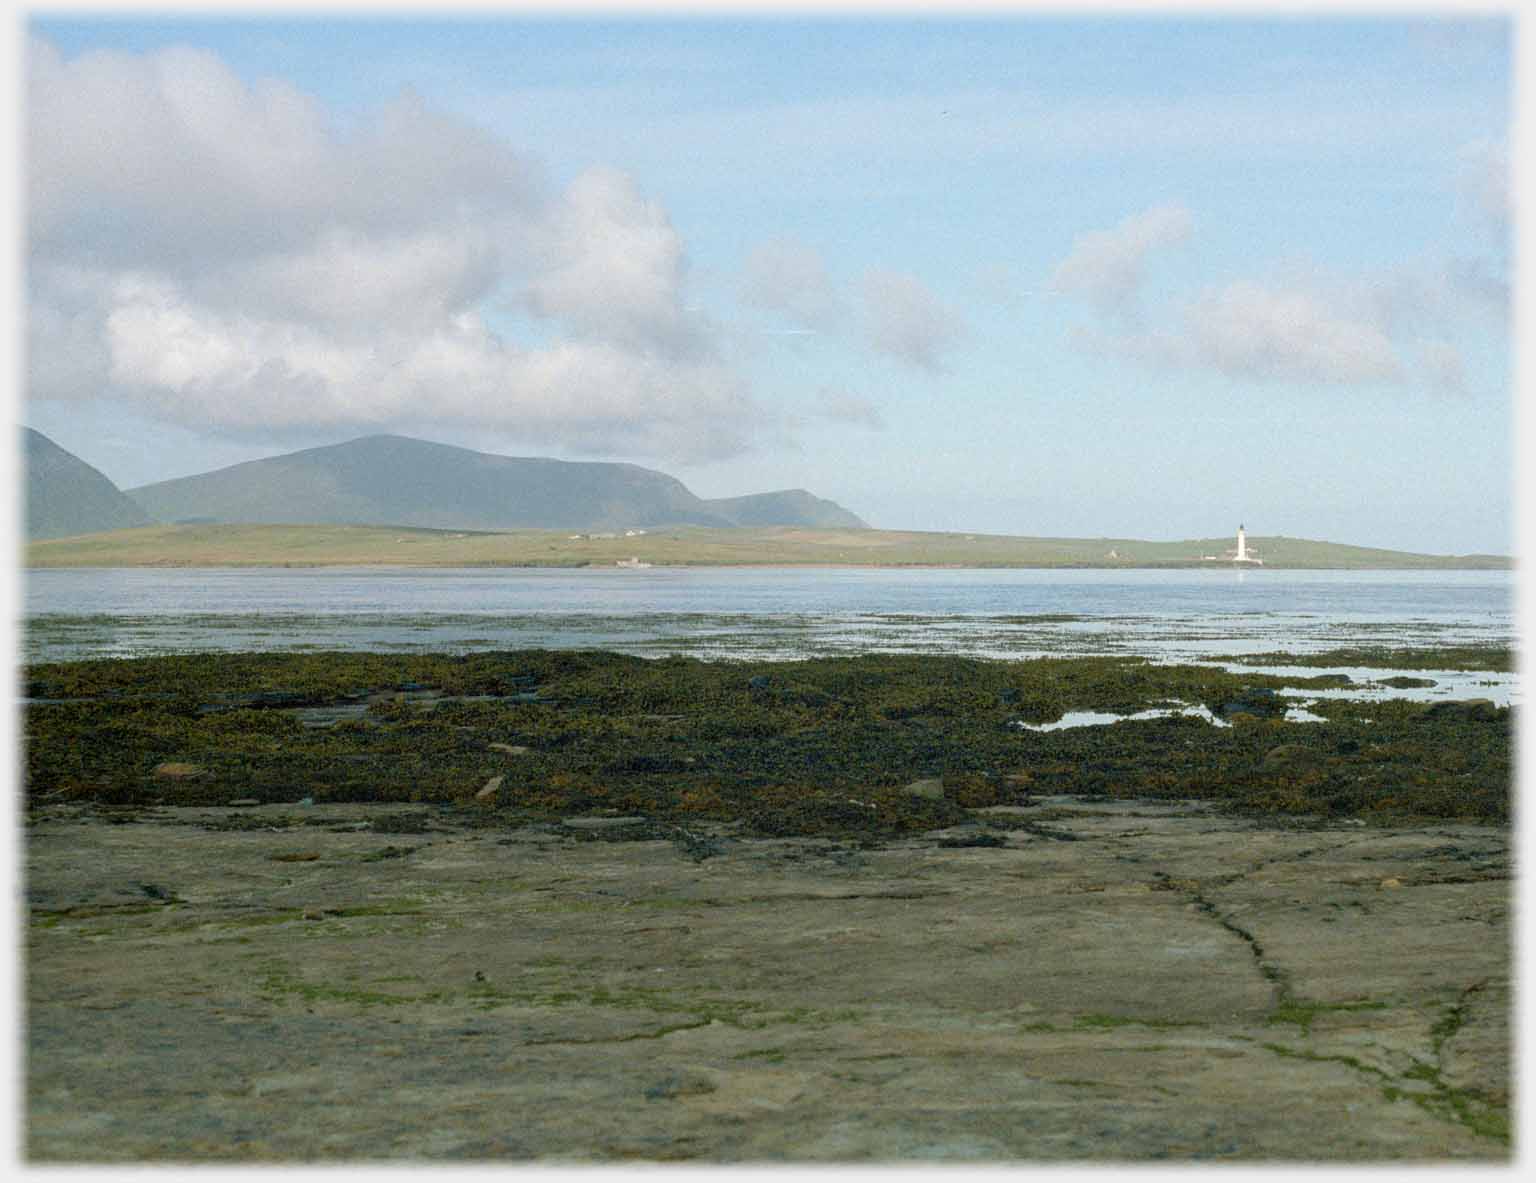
(1077, 979)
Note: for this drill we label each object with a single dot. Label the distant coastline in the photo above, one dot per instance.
(217, 545)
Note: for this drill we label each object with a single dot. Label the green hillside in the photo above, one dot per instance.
(267, 545)
(64, 495)
(785, 506)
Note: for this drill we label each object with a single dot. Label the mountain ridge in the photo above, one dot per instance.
(401, 481)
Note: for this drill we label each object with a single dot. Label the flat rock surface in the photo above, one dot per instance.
(1175, 984)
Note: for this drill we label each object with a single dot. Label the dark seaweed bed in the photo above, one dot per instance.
(828, 745)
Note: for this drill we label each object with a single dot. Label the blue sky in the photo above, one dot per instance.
(1130, 276)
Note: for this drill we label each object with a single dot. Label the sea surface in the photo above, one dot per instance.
(779, 613)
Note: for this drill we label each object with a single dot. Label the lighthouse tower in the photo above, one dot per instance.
(1241, 555)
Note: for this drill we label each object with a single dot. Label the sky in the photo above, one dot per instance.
(1145, 275)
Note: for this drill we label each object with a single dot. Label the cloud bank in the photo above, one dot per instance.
(226, 256)
(1248, 330)
(1303, 325)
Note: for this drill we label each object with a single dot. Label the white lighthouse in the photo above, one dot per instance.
(1242, 554)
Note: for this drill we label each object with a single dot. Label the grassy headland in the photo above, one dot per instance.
(262, 545)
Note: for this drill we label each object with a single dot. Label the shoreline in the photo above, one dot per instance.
(164, 565)
(756, 547)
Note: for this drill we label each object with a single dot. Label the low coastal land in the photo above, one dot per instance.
(574, 906)
(783, 546)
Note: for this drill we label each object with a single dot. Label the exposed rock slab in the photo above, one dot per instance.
(1174, 984)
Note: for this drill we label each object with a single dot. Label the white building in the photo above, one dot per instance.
(1243, 553)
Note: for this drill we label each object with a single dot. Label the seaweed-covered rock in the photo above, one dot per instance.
(675, 739)
(179, 770)
(646, 762)
(818, 815)
(1290, 755)
(975, 790)
(765, 689)
(1259, 701)
(1481, 710)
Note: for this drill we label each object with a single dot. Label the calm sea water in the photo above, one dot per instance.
(769, 613)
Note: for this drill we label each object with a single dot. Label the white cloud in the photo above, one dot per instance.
(997, 283)
(1261, 332)
(1108, 266)
(222, 254)
(196, 364)
(167, 157)
(1478, 283)
(614, 268)
(346, 277)
(1486, 179)
(838, 406)
(1253, 331)
(904, 319)
(789, 278)
(66, 349)
(1444, 368)
(1305, 324)
(1425, 298)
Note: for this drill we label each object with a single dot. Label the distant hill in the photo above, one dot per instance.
(788, 507)
(65, 496)
(397, 481)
